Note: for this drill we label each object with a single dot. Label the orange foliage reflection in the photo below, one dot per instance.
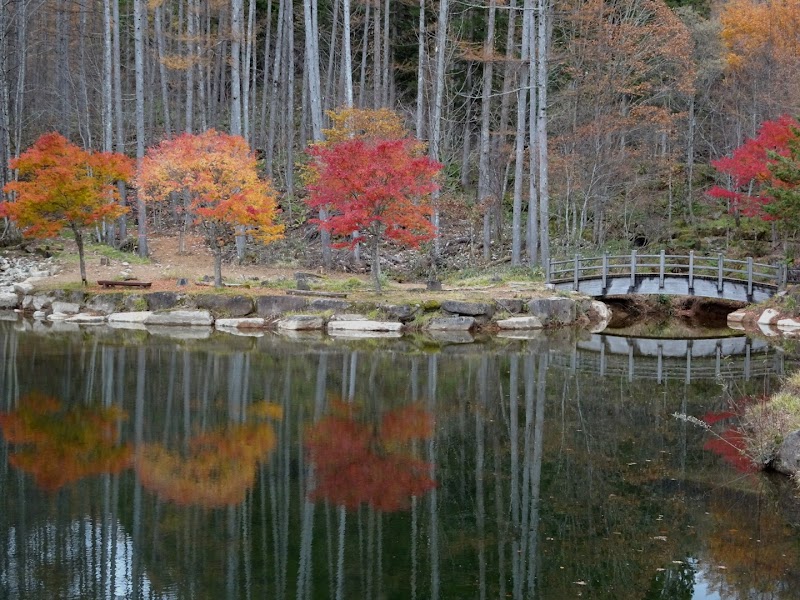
(217, 469)
(363, 463)
(62, 446)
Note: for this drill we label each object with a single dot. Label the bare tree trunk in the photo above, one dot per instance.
(519, 141)
(265, 78)
(276, 80)
(139, 20)
(328, 98)
(543, 51)
(436, 115)
(236, 82)
(122, 222)
(347, 55)
(312, 62)
(191, 8)
(84, 120)
(386, 58)
(162, 70)
(484, 187)
(364, 53)
(376, 57)
(5, 141)
(248, 60)
(290, 103)
(421, 58)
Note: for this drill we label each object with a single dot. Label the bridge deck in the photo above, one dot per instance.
(689, 275)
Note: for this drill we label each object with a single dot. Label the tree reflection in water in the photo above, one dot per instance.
(550, 482)
(58, 446)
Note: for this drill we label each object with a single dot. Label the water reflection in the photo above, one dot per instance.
(265, 467)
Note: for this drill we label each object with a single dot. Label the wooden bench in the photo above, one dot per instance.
(106, 283)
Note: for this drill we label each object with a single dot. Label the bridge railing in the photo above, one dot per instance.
(689, 265)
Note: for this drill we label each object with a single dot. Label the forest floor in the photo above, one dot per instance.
(166, 266)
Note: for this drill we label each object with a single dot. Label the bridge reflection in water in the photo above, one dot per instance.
(672, 359)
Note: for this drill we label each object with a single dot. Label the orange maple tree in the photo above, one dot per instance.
(359, 462)
(59, 446)
(63, 186)
(219, 174)
(379, 188)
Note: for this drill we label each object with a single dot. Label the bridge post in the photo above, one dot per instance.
(576, 271)
(749, 276)
(661, 266)
(633, 269)
(549, 274)
(605, 269)
(691, 271)
(720, 263)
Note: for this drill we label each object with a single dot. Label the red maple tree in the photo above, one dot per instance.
(62, 186)
(750, 168)
(379, 188)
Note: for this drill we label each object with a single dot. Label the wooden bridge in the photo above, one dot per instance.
(661, 360)
(674, 275)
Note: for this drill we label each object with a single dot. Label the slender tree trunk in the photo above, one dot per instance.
(5, 141)
(484, 185)
(347, 55)
(386, 58)
(139, 21)
(376, 56)
(81, 258)
(364, 54)
(217, 264)
(690, 160)
(312, 62)
(436, 116)
(265, 78)
(162, 70)
(519, 141)
(191, 33)
(376, 262)
(276, 80)
(236, 58)
(290, 130)
(248, 60)
(328, 98)
(543, 51)
(421, 58)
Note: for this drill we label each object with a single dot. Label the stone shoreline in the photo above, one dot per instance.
(245, 314)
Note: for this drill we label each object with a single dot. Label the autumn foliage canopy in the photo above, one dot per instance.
(61, 185)
(751, 168)
(219, 174)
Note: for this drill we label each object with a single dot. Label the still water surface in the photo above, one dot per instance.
(135, 465)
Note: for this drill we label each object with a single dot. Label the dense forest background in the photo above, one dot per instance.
(563, 126)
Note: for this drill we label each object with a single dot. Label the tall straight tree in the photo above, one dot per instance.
(543, 29)
(519, 140)
(312, 61)
(138, 41)
(484, 183)
(236, 60)
(436, 113)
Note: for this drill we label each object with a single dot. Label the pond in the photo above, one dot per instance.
(156, 465)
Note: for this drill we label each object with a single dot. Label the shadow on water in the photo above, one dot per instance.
(149, 466)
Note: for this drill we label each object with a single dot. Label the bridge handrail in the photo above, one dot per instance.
(711, 267)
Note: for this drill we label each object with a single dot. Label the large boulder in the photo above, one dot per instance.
(468, 309)
(451, 324)
(229, 306)
(275, 306)
(105, 304)
(161, 300)
(8, 300)
(787, 459)
(554, 310)
(400, 312)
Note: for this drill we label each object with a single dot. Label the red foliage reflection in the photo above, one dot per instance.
(61, 446)
(366, 463)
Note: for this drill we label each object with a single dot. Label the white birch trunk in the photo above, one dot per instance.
(236, 59)
(436, 116)
(421, 57)
(519, 141)
(138, 41)
(484, 184)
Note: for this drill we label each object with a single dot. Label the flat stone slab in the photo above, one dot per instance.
(364, 326)
(181, 318)
(241, 323)
(68, 308)
(737, 316)
(451, 324)
(58, 316)
(520, 323)
(348, 317)
(301, 323)
(139, 317)
(788, 324)
(768, 316)
(84, 319)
